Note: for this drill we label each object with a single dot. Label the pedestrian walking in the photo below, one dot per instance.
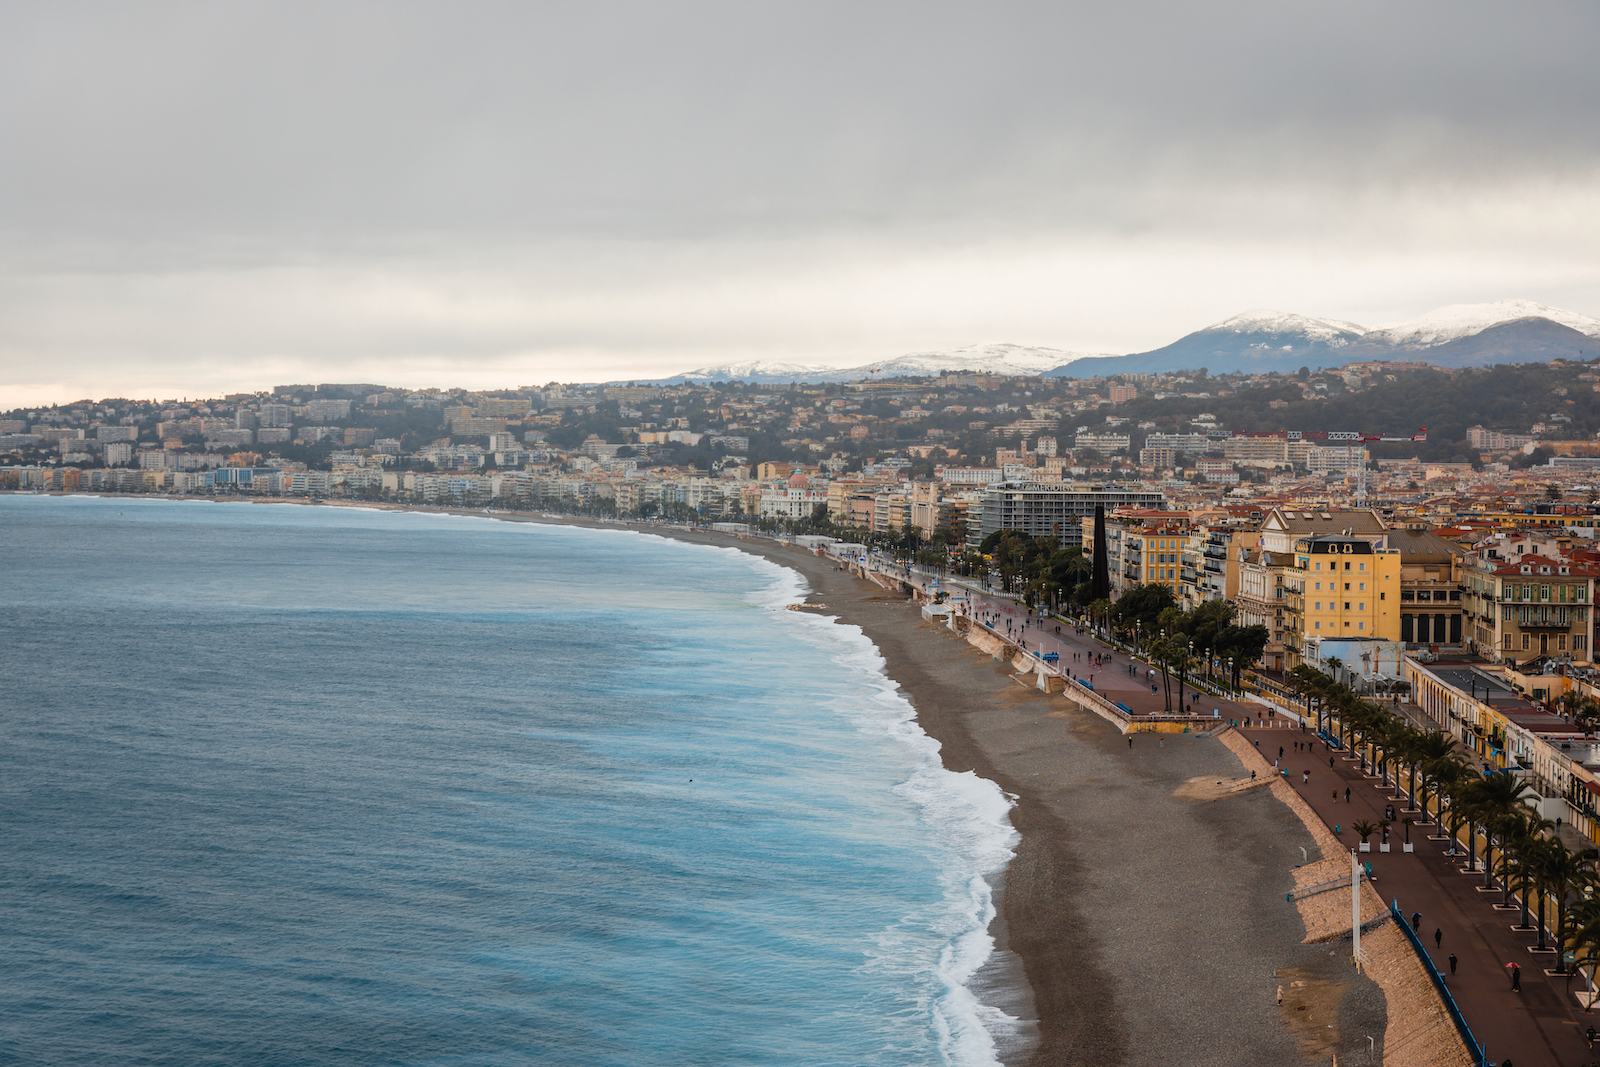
(1130, 740)
(1336, 796)
(1516, 977)
(1416, 917)
(1347, 794)
(1452, 965)
(1438, 937)
(1280, 996)
(1280, 751)
(1330, 763)
(1305, 776)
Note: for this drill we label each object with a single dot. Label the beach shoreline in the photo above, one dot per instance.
(1135, 923)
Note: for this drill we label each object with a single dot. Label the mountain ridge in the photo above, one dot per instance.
(1261, 340)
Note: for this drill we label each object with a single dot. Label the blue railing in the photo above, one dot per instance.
(1478, 1056)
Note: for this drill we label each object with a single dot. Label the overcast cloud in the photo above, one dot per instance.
(209, 197)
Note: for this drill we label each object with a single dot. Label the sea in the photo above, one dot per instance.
(286, 784)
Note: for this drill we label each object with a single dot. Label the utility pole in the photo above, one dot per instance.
(1355, 908)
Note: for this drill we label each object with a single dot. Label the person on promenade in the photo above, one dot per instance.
(1347, 794)
(1416, 917)
(1330, 763)
(1305, 777)
(1516, 977)
(1336, 796)
(1452, 965)
(1438, 938)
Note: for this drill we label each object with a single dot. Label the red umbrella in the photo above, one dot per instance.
(1513, 966)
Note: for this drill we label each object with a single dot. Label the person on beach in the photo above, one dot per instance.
(1280, 996)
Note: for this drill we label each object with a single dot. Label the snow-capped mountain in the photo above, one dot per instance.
(757, 370)
(1260, 340)
(978, 359)
(1284, 323)
(1455, 321)
(1460, 335)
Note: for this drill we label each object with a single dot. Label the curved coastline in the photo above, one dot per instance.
(1148, 927)
(1134, 925)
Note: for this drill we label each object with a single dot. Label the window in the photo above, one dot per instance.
(1346, 564)
(1361, 606)
(1346, 587)
(1383, 596)
(1544, 593)
(1561, 642)
(1319, 625)
(1361, 626)
(1347, 605)
(1319, 566)
(1319, 587)
(1508, 642)
(1579, 641)
(1363, 586)
(1347, 626)
(1319, 605)
(1524, 642)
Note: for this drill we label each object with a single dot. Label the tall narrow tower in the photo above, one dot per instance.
(1100, 578)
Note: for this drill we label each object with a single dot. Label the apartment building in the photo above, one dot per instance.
(1267, 572)
(1341, 587)
(1058, 511)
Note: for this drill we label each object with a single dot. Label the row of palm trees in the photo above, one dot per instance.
(1519, 846)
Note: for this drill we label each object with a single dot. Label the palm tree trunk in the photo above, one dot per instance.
(1542, 895)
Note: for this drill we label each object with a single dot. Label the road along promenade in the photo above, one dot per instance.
(1543, 1023)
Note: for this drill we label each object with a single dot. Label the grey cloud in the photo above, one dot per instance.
(383, 122)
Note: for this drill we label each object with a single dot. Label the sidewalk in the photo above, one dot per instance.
(1541, 1025)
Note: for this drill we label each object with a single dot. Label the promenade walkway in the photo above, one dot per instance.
(1541, 1025)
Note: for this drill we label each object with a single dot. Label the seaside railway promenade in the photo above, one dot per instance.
(1544, 1024)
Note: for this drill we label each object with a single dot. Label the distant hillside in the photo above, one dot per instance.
(978, 359)
(1463, 335)
(1255, 342)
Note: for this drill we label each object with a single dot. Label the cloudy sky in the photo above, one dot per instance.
(225, 196)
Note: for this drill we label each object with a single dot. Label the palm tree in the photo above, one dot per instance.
(1565, 872)
(1520, 853)
(1500, 799)
(1430, 748)
(1541, 858)
(1453, 782)
(1365, 828)
(1159, 652)
(1100, 611)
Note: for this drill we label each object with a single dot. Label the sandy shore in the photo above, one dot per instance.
(1145, 908)
(1148, 913)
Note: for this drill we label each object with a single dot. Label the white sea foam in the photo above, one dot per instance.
(969, 817)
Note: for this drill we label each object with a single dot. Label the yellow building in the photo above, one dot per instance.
(1342, 588)
(1143, 548)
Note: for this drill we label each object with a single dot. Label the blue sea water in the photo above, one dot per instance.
(299, 785)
